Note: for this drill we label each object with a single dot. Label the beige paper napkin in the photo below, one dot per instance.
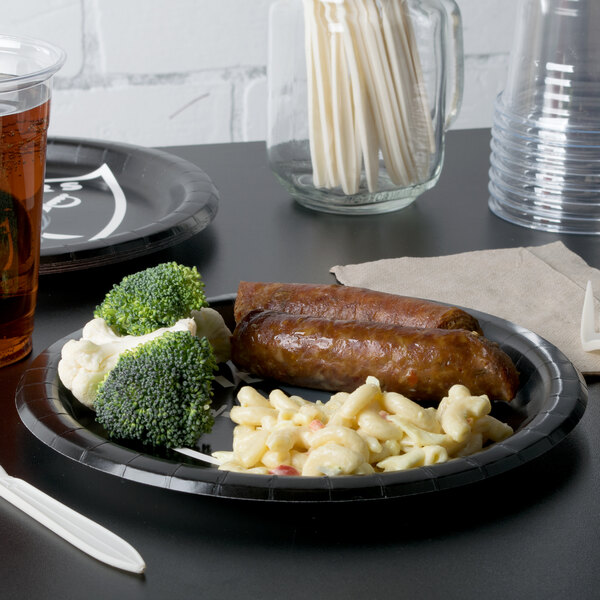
(540, 288)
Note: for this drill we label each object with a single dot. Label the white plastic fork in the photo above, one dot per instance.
(590, 338)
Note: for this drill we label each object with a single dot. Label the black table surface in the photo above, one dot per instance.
(533, 532)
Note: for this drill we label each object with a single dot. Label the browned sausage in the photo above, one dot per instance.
(349, 303)
(339, 355)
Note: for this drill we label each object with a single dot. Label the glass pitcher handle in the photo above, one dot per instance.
(454, 61)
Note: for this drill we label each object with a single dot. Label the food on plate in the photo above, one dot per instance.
(153, 298)
(147, 361)
(358, 433)
(160, 392)
(338, 355)
(146, 382)
(211, 325)
(85, 362)
(349, 303)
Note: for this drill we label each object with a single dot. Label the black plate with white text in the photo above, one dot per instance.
(106, 202)
(551, 400)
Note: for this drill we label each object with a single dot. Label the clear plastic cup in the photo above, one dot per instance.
(545, 150)
(554, 70)
(26, 70)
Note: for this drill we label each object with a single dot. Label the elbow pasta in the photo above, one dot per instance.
(358, 433)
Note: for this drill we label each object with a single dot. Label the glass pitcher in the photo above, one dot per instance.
(360, 94)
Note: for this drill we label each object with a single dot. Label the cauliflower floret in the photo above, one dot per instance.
(85, 362)
(98, 331)
(76, 370)
(210, 324)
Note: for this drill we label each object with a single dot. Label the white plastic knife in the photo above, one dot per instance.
(83, 533)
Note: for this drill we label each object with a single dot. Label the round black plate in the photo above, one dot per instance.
(105, 202)
(551, 400)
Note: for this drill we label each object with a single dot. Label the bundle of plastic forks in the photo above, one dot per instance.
(590, 338)
(366, 94)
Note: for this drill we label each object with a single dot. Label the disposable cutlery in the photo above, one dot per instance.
(83, 533)
(590, 338)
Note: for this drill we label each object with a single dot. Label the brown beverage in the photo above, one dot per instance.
(22, 167)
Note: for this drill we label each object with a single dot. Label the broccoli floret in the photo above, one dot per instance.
(153, 298)
(160, 392)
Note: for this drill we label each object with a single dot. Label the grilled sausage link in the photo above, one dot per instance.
(349, 303)
(338, 355)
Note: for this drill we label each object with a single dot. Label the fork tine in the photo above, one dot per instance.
(590, 340)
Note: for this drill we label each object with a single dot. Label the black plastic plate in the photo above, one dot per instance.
(551, 400)
(106, 202)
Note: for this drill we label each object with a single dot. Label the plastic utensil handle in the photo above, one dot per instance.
(83, 533)
(454, 49)
(590, 340)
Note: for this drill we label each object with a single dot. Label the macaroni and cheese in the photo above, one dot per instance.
(358, 433)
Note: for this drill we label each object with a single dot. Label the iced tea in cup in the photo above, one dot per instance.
(26, 70)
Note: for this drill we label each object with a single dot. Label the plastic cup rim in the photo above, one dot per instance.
(57, 56)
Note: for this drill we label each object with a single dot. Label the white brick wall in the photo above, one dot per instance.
(169, 72)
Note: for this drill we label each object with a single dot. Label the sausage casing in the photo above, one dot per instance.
(349, 303)
(338, 355)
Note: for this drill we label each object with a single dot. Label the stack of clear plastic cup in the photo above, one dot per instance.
(545, 149)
